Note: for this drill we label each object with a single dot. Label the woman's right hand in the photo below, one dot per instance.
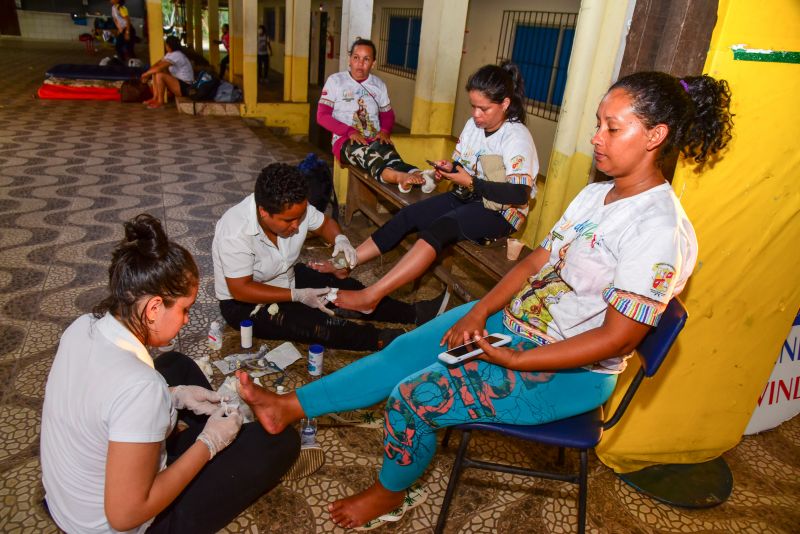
(462, 332)
(220, 431)
(355, 136)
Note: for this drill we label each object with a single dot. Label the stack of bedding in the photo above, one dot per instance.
(86, 82)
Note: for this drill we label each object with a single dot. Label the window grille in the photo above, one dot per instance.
(540, 44)
(398, 45)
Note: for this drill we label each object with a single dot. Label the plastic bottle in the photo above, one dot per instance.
(215, 335)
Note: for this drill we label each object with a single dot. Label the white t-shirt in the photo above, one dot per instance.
(634, 254)
(356, 104)
(120, 13)
(241, 248)
(180, 66)
(513, 141)
(102, 387)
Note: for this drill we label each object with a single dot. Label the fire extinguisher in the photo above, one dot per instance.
(329, 47)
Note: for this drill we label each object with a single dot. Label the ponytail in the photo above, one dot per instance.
(146, 264)
(498, 83)
(696, 109)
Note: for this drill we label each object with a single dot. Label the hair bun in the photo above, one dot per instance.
(146, 234)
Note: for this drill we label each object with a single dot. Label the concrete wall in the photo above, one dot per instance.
(58, 26)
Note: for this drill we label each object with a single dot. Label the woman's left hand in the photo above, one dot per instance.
(503, 356)
(460, 176)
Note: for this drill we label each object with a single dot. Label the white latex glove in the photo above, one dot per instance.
(200, 400)
(220, 430)
(342, 244)
(313, 297)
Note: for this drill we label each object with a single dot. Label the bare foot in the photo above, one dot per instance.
(360, 508)
(406, 180)
(359, 301)
(274, 412)
(327, 267)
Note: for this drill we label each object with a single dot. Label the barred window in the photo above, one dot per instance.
(399, 41)
(540, 43)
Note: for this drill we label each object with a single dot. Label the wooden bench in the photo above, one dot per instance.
(365, 194)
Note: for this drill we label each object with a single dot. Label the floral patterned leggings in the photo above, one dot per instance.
(425, 395)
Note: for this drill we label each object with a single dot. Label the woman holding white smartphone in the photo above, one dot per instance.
(575, 308)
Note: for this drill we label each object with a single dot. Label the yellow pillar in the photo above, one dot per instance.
(250, 53)
(295, 73)
(235, 28)
(213, 32)
(592, 68)
(189, 23)
(744, 293)
(439, 61)
(155, 30)
(198, 27)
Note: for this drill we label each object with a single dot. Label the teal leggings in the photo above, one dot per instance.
(425, 395)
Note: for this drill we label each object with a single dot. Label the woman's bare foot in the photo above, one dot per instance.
(274, 412)
(406, 180)
(327, 267)
(360, 301)
(363, 507)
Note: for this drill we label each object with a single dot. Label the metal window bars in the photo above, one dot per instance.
(404, 46)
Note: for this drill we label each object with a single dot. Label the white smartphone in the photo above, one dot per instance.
(470, 350)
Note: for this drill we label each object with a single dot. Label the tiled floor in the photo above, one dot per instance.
(71, 172)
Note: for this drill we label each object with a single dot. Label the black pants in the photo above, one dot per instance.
(441, 221)
(223, 66)
(263, 66)
(298, 322)
(244, 471)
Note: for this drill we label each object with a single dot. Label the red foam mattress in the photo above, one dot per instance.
(64, 92)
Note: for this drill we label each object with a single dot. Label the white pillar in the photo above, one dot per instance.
(356, 22)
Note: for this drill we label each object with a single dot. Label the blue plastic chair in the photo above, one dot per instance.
(582, 432)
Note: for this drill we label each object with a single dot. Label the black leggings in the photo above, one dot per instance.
(442, 221)
(300, 323)
(241, 473)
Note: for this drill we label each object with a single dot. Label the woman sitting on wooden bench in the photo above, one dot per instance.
(494, 168)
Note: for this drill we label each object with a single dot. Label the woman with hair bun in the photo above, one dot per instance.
(575, 308)
(112, 456)
(493, 169)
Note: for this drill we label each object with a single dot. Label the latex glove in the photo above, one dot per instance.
(343, 245)
(198, 399)
(220, 430)
(313, 297)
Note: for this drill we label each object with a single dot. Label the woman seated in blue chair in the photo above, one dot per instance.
(575, 308)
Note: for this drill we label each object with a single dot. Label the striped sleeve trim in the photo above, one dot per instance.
(384, 109)
(326, 102)
(547, 242)
(524, 179)
(640, 309)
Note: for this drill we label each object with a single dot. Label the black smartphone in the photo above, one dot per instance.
(435, 166)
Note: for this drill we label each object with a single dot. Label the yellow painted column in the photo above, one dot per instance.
(155, 30)
(250, 53)
(439, 61)
(744, 293)
(213, 32)
(189, 22)
(295, 74)
(235, 27)
(592, 69)
(198, 27)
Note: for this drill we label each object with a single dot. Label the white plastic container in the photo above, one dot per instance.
(215, 336)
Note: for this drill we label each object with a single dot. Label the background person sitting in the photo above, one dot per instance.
(355, 108)
(173, 71)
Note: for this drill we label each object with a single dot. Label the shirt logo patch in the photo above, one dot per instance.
(662, 277)
(516, 162)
